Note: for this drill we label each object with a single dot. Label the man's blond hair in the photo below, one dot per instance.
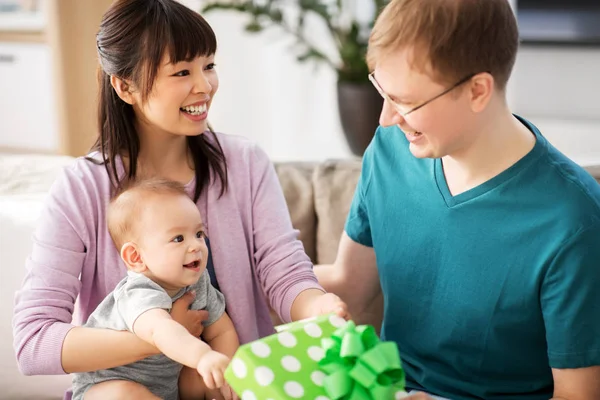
(455, 38)
(125, 208)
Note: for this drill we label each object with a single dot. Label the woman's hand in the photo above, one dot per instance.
(330, 303)
(190, 319)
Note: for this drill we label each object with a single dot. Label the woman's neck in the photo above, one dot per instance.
(165, 155)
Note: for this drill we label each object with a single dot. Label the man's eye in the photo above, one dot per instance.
(185, 72)
(200, 234)
(178, 239)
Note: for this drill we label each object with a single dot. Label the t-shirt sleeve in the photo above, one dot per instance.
(570, 299)
(139, 295)
(358, 227)
(208, 298)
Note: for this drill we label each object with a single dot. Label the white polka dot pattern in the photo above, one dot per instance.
(285, 365)
(260, 349)
(248, 395)
(293, 389)
(239, 368)
(287, 339)
(290, 363)
(313, 330)
(316, 353)
(317, 377)
(264, 376)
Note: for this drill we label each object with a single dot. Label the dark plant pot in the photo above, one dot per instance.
(359, 106)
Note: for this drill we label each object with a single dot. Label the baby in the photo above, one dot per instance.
(158, 231)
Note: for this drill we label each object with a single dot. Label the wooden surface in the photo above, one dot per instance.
(71, 32)
(22, 37)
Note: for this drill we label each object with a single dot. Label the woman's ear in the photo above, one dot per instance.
(123, 89)
(132, 257)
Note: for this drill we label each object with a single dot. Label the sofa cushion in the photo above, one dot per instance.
(31, 173)
(295, 180)
(334, 185)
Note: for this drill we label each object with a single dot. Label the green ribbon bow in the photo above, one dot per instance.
(359, 366)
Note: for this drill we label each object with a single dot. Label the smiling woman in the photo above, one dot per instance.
(157, 85)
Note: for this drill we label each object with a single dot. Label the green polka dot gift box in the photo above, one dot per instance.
(323, 358)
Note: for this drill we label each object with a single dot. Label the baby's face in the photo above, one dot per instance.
(171, 240)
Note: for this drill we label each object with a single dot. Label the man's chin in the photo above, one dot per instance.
(421, 151)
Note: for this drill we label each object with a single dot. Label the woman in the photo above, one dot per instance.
(157, 81)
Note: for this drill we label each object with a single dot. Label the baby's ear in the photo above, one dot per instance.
(132, 257)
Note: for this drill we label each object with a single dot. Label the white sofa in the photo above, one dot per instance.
(24, 182)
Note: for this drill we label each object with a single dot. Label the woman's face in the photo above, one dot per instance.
(180, 98)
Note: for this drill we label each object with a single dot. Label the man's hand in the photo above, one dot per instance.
(190, 319)
(418, 396)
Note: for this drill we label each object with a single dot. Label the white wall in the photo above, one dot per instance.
(291, 108)
(559, 90)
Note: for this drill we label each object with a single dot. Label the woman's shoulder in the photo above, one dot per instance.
(84, 176)
(241, 151)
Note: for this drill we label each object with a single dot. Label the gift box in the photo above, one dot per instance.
(322, 358)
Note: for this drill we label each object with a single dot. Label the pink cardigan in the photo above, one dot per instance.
(257, 257)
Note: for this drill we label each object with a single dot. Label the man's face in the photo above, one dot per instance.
(441, 127)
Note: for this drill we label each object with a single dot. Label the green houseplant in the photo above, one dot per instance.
(359, 103)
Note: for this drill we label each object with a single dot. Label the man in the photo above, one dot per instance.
(481, 237)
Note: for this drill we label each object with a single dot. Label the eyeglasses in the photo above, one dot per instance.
(402, 110)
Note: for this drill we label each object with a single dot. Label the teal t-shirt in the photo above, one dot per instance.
(486, 291)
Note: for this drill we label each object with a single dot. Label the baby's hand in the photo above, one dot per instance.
(227, 392)
(329, 303)
(211, 368)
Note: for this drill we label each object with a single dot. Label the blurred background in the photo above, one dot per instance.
(291, 107)
(292, 77)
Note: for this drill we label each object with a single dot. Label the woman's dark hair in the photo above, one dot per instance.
(134, 36)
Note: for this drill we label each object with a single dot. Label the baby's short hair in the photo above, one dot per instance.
(124, 209)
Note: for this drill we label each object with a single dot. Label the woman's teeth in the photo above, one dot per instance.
(195, 110)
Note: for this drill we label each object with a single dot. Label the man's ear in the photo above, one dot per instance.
(123, 88)
(481, 91)
(132, 257)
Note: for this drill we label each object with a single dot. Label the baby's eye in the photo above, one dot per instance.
(200, 234)
(211, 66)
(185, 72)
(178, 239)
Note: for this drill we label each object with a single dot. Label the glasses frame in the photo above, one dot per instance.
(399, 108)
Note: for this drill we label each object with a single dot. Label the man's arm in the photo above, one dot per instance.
(354, 277)
(156, 327)
(221, 336)
(576, 384)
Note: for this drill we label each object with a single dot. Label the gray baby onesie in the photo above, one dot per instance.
(133, 296)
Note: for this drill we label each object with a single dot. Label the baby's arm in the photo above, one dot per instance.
(221, 336)
(158, 328)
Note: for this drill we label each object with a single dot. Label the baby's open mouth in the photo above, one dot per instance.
(193, 264)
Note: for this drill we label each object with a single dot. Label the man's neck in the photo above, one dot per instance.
(499, 144)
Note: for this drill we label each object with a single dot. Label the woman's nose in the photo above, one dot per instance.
(202, 84)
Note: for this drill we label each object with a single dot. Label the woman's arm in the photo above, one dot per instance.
(282, 265)
(110, 349)
(45, 341)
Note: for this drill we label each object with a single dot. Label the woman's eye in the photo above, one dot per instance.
(211, 66)
(178, 239)
(185, 72)
(200, 234)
